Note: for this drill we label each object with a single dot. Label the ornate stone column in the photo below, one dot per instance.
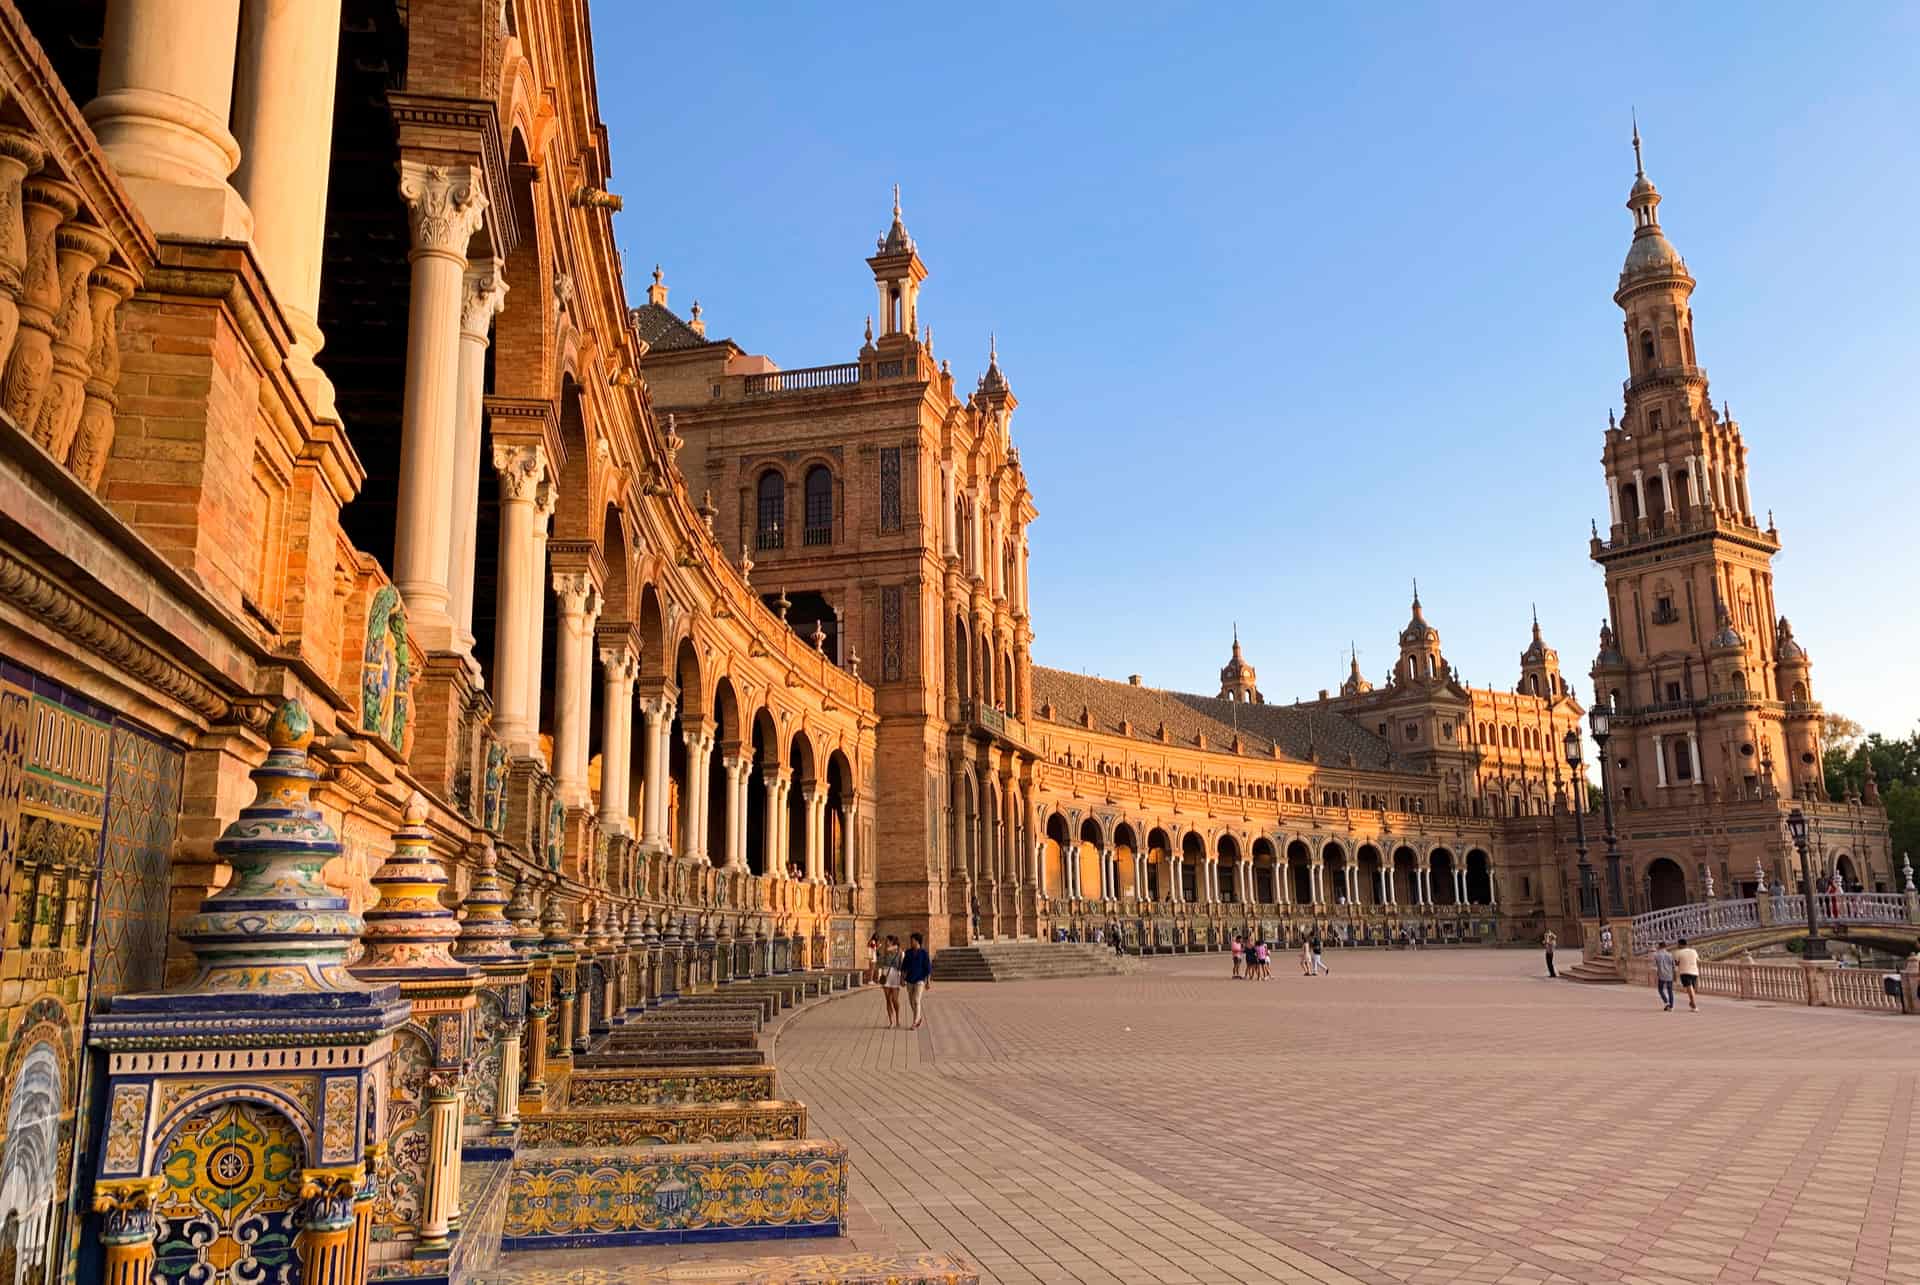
(332, 1198)
(774, 856)
(619, 667)
(445, 206)
(483, 295)
(546, 498)
(127, 1227)
(521, 469)
(656, 713)
(486, 943)
(849, 848)
(813, 801)
(283, 124)
(579, 600)
(166, 95)
(559, 945)
(693, 801)
(736, 766)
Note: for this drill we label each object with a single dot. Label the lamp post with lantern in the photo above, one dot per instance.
(1601, 719)
(1589, 898)
(1797, 827)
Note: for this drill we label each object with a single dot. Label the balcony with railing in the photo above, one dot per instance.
(815, 536)
(803, 379)
(808, 379)
(1662, 375)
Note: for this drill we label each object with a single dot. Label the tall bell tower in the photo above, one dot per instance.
(1712, 696)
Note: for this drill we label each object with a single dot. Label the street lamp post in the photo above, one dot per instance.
(1602, 719)
(1797, 827)
(1589, 907)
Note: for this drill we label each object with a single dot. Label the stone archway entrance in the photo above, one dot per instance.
(1666, 884)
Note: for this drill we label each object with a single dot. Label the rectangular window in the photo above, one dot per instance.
(1673, 691)
(890, 488)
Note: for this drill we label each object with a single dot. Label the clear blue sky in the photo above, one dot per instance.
(1301, 303)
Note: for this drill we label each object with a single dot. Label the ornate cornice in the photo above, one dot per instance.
(77, 621)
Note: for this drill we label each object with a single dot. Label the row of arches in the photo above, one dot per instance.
(1087, 863)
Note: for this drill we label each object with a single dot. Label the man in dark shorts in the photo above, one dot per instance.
(1687, 960)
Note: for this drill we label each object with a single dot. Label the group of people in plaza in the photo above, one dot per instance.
(896, 969)
(1682, 962)
(1253, 958)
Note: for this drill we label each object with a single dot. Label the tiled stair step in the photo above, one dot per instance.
(658, 1086)
(699, 1055)
(657, 1037)
(802, 1269)
(668, 1124)
(593, 1197)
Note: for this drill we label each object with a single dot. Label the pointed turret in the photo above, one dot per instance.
(897, 273)
(1237, 680)
(1540, 666)
(1420, 658)
(1356, 684)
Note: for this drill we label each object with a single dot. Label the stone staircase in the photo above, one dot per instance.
(1593, 974)
(1018, 961)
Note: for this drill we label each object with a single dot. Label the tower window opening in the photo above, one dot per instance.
(771, 518)
(819, 510)
(1646, 349)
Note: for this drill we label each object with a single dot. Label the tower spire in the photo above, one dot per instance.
(1639, 169)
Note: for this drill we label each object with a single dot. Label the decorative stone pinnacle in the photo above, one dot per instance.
(553, 920)
(409, 932)
(276, 926)
(637, 929)
(485, 934)
(523, 912)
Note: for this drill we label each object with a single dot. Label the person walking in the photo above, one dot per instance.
(916, 970)
(873, 961)
(1319, 964)
(1306, 958)
(1687, 961)
(889, 965)
(1551, 941)
(1238, 951)
(1663, 974)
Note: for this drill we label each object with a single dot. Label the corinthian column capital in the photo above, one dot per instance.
(483, 294)
(622, 662)
(444, 206)
(577, 593)
(520, 468)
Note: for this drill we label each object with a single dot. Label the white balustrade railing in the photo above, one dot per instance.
(1695, 919)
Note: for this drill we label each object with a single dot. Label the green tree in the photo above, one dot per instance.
(1896, 772)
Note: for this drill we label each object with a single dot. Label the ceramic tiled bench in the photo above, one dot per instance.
(654, 1086)
(586, 1197)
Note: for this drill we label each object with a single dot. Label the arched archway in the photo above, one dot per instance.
(1057, 855)
(1126, 846)
(1479, 878)
(842, 856)
(1300, 873)
(727, 735)
(1193, 864)
(763, 822)
(803, 764)
(1368, 859)
(1092, 858)
(1160, 859)
(1227, 873)
(1403, 877)
(1335, 890)
(1666, 884)
(1266, 872)
(1446, 891)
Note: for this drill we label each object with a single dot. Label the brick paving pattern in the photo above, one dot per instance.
(1440, 1116)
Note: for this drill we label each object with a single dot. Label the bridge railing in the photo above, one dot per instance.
(1696, 919)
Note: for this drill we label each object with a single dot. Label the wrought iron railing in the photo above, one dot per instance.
(815, 536)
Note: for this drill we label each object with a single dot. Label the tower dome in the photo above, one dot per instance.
(1237, 679)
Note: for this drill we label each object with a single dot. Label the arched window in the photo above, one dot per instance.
(771, 524)
(819, 491)
(1646, 350)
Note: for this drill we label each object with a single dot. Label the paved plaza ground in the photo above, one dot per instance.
(1436, 1116)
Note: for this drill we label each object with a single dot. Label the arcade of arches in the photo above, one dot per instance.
(365, 547)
